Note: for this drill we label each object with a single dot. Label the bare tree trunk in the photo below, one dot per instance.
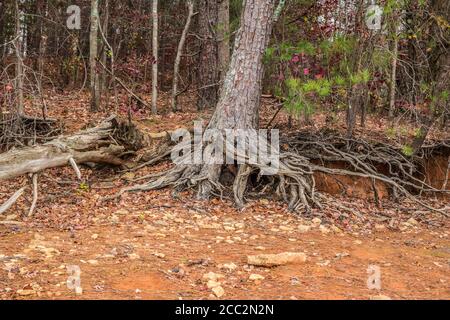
(208, 68)
(176, 68)
(93, 55)
(241, 92)
(43, 40)
(393, 84)
(155, 57)
(223, 35)
(19, 61)
(104, 79)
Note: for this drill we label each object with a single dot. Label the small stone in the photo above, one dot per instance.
(134, 256)
(94, 236)
(212, 276)
(380, 297)
(228, 228)
(379, 227)
(11, 217)
(229, 266)
(114, 219)
(324, 263)
(272, 260)
(160, 235)
(122, 212)
(358, 242)
(324, 229)
(303, 228)
(256, 277)
(335, 229)
(26, 292)
(93, 262)
(316, 222)
(218, 291)
(413, 222)
(212, 284)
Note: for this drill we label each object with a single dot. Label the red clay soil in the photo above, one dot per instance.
(164, 252)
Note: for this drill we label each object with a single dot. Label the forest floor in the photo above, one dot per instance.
(154, 246)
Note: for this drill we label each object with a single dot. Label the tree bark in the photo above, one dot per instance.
(223, 34)
(241, 92)
(19, 60)
(104, 78)
(208, 68)
(176, 67)
(155, 57)
(93, 55)
(393, 84)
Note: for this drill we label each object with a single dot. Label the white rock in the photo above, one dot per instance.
(304, 228)
(212, 284)
(212, 276)
(218, 291)
(134, 256)
(324, 229)
(380, 297)
(229, 266)
(122, 212)
(11, 217)
(413, 222)
(256, 277)
(26, 292)
(272, 260)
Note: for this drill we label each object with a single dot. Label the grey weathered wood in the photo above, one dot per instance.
(92, 145)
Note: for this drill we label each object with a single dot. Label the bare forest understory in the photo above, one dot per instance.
(370, 205)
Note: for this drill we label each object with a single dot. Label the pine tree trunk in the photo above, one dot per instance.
(241, 92)
(223, 34)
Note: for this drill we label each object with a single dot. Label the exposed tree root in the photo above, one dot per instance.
(295, 179)
(305, 154)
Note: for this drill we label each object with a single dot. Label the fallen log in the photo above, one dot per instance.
(101, 144)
